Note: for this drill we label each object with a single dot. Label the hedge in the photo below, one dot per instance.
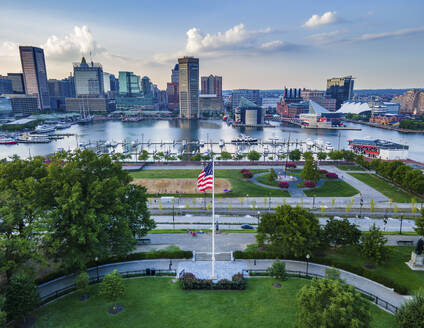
(329, 262)
(189, 281)
(164, 254)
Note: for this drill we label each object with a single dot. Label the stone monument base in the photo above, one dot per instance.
(416, 262)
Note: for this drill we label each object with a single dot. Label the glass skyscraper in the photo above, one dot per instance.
(189, 87)
(340, 88)
(129, 84)
(250, 94)
(35, 75)
(88, 79)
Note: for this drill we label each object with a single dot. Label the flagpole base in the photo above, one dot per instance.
(213, 277)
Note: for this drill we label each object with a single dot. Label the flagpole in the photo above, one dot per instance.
(213, 220)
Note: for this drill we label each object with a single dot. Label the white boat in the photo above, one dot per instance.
(7, 141)
(44, 128)
(63, 125)
(328, 146)
(27, 138)
(221, 143)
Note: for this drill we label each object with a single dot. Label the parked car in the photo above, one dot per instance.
(247, 226)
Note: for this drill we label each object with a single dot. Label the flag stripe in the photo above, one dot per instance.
(205, 179)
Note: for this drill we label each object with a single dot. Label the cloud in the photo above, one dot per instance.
(329, 17)
(236, 40)
(386, 35)
(325, 37)
(77, 43)
(8, 49)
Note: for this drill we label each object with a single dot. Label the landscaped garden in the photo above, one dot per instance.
(386, 188)
(158, 302)
(240, 186)
(350, 167)
(332, 188)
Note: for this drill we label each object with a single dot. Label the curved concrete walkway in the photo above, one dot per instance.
(382, 292)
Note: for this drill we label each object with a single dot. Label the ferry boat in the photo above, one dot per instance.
(44, 128)
(26, 138)
(7, 141)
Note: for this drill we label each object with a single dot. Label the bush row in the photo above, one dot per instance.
(189, 281)
(164, 254)
(325, 261)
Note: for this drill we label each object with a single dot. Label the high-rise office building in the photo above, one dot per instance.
(35, 75)
(174, 74)
(320, 98)
(340, 88)
(212, 85)
(146, 87)
(252, 95)
(173, 95)
(189, 87)
(88, 79)
(5, 85)
(18, 85)
(129, 84)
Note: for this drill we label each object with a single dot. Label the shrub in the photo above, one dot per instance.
(278, 270)
(189, 281)
(246, 173)
(111, 287)
(331, 175)
(291, 165)
(283, 184)
(309, 184)
(411, 313)
(81, 282)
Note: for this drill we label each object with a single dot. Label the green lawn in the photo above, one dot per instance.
(394, 268)
(386, 188)
(157, 302)
(336, 188)
(350, 167)
(240, 187)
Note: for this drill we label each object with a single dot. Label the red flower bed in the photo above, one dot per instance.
(291, 164)
(309, 184)
(246, 173)
(331, 175)
(283, 184)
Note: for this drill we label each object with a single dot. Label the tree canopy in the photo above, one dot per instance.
(295, 155)
(253, 155)
(341, 232)
(373, 245)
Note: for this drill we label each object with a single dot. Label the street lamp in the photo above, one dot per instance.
(97, 267)
(361, 202)
(307, 263)
(269, 202)
(401, 219)
(259, 213)
(313, 201)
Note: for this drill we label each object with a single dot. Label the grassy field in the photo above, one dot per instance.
(350, 167)
(337, 188)
(240, 187)
(386, 188)
(394, 268)
(157, 302)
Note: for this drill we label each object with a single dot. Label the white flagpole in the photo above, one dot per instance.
(213, 220)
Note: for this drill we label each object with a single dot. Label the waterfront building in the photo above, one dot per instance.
(173, 95)
(86, 104)
(188, 77)
(248, 113)
(384, 119)
(210, 105)
(17, 82)
(135, 103)
(5, 85)
(373, 107)
(378, 148)
(292, 103)
(340, 88)
(252, 95)
(411, 102)
(146, 87)
(35, 75)
(129, 84)
(23, 104)
(320, 98)
(5, 106)
(88, 79)
(211, 85)
(319, 117)
(106, 82)
(175, 74)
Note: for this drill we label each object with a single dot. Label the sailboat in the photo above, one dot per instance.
(85, 115)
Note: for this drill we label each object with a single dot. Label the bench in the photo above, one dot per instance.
(405, 242)
(143, 241)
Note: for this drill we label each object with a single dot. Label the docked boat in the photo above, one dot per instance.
(7, 141)
(27, 138)
(328, 146)
(244, 139)
(63, 125)
(44, 128)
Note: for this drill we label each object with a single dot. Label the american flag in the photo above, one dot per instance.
(205, 178)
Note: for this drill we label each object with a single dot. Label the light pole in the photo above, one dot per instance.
(401, 219)
(313, 201)
(173, 213)
(361, 202)
(307, 263)
(259, 213)
(97, 267)
(269, 202)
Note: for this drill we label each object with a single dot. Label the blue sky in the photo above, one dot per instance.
(252, 44)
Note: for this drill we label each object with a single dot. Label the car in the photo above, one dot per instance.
(247, 226)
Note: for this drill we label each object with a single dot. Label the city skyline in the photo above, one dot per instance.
(289, 45)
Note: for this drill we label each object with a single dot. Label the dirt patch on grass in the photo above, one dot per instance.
(179, 186)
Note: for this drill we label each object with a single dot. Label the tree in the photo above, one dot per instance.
(333, 274)
(112, 287)
(308, 155)
(96, 212)
(290, 231)
(253, 155)
(322, 156)
(341, 232)
(21, 297)
(82, 282)
(3, 314)
(419, 223)
(332, 304)
(295, 155)
(335, 155)
(411, 313)
(310, 170)
(373, 245)
(272, 175)
(348, 155)
(225, 155)
(278, 270)
(144, 156)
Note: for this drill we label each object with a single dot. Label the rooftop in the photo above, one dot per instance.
(383, 144)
